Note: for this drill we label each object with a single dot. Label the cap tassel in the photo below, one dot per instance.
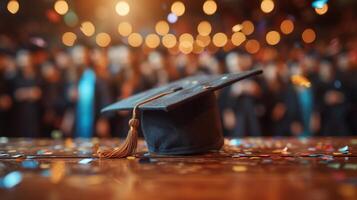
(129, 146)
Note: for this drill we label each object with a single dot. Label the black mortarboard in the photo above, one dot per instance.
(179, 118)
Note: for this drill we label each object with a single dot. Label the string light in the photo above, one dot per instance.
(178, 8)
(267, 6)
(238, 38)
(162, 28)
(219, 39)
(272, 37)
(323, 10)
(69, 38)
(87, 28)
(169, 40)
(61, 7)
(196, 48)
(287, 26)
(122, 8)
(172, 18)
(209, 7)
(135, 39)
(247, 27)
(124, 29)
(308, 36)
(13, 6)
(204, 28)
(103, 39)
(252, 46)
(152, 41)
(71, 19)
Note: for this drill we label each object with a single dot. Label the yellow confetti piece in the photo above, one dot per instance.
(58, 171)
(131, 158)
(239, 168)
(300, 81)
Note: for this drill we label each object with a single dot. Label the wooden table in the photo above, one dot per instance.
(250, 168)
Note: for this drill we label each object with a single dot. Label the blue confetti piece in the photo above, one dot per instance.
(11, 180)
(343, 149)
(318, 3)
(30, 164)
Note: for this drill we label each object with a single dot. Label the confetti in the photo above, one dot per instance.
(350, 166)
(343, 149)
(131, 158)
(11, 180)
(57, 171)
(334, 165)
(239, 168)
(85, 161)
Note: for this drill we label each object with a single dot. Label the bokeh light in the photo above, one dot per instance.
(162, 28)
(172, 18)
(135, 39)
(308, 36)
(71, 19)
(124, 29)
(61, 7)
(169, 40)
(323, 10)
(272, 37)
(186, 37)
(69, 38)
(178, 8)
(252, 46)
(186, 47)
(237, 28)
(247, 27)
(219, 39)
(122, 8)
(204, 28)
(152, 41)
(209, 7)
(87, 28)
(287, 26)
(238, 38)
(103, 39)
(203, 40)
(267, 6)
(13, 6)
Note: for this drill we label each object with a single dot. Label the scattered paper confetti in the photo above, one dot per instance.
(343, 149)
(11, 179)
(85, 161)
(239, 168)
(350, 166)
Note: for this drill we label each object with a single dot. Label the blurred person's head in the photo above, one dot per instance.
(62, 59)
(80, 56)
(209, 62)
(232, 62)
(118, 58)
(245, 62)
(50, 72)
(326, 72)
(155, 60)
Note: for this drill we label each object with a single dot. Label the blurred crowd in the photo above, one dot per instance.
(47, 92)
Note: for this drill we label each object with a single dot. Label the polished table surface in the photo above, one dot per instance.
(250, 168)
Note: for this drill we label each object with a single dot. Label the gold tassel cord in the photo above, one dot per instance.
(129, 146)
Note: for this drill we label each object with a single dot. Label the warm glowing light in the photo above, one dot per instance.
(186, 37)
(152, 41)
(103, 39)
(237, 28)
(122, 8)
(135, 40)
(252, 46)
(197, 48)
(219, 39)
(13, 6)
(172, 18)
(323, 10)
(287, 26)
(238, 38)
(61, 7)
(267, 6)
(300, 81)
(186, 47)
(169, 40)
(272, 37)
(162, 28)
(308, 36)
(247, 27)
(124, 29)
(204, 28)
(209, 7)
(178, 8)
(87, 28)
(203, 40)
(69, 39)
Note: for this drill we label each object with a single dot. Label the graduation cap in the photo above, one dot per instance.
(179, 118)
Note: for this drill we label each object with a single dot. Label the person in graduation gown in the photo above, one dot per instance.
(92, 94)
(5, 98)
(26, 94)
